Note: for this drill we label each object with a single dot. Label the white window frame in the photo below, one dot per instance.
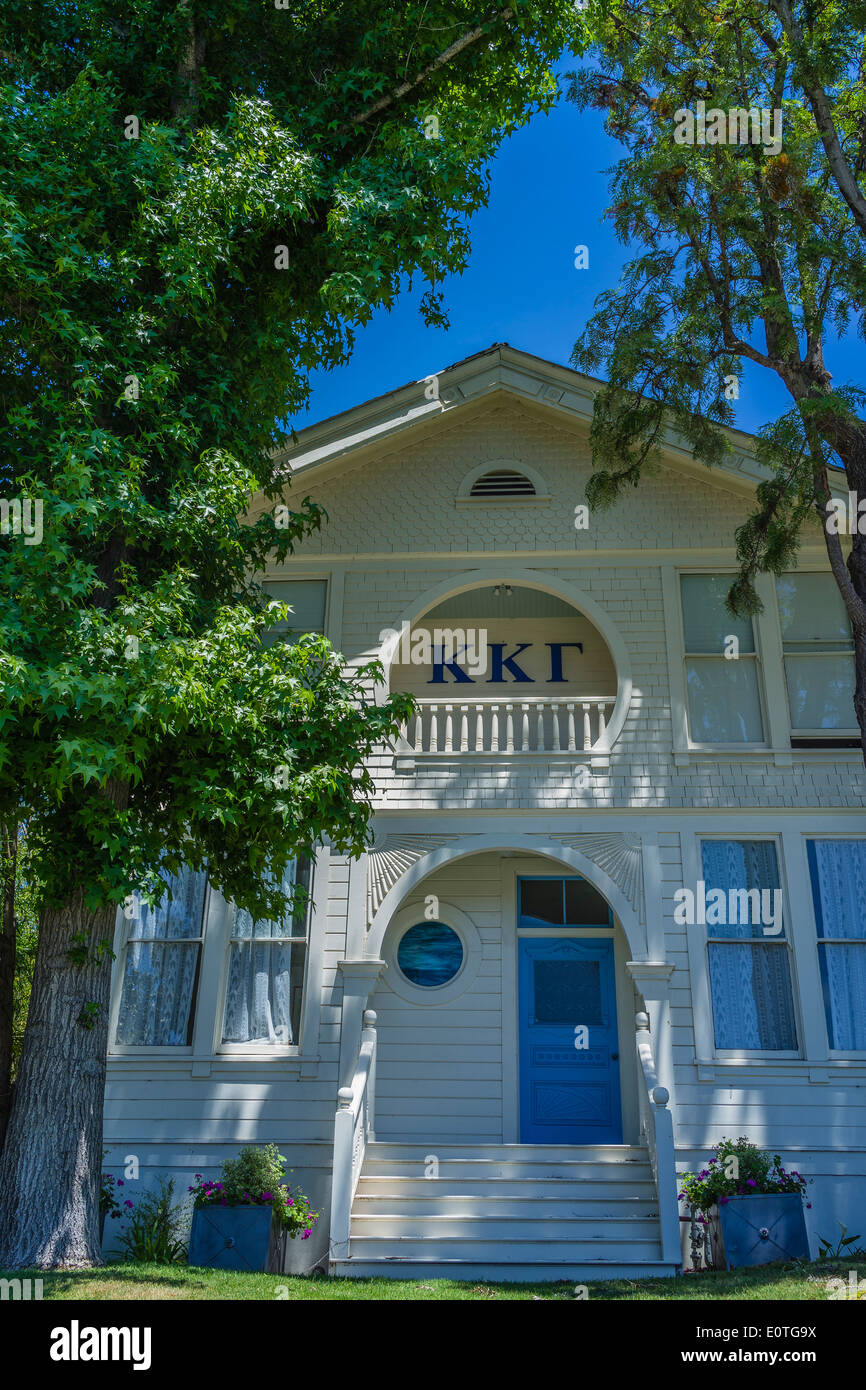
(834, 1053)
(124, 938)
(699, 942)
(678, 656)
(229, 1049)
(209, 1003)
(815, 735)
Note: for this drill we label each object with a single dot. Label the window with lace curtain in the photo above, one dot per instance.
(163, 954)
(838, 872)
(265, 972)
(750, 971)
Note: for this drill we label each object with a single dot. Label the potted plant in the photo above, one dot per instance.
(243, 1220)
(750, 1206)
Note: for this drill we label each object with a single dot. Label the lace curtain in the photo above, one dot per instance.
(156, 1002)
(753, 1006)
(838, 869)
(265, 978)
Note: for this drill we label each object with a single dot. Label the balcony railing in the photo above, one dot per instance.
(523, 726)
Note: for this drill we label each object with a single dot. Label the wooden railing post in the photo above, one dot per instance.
(658, 1130)
(341, 1180)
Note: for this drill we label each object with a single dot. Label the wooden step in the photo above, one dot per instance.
(581, 1189)
(528, 1249)
(502, 1271)
(493, 1226)
(491, 1202)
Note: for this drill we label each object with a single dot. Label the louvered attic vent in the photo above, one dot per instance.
(504, 482)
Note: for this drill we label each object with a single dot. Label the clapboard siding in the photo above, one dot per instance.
(424, 1050)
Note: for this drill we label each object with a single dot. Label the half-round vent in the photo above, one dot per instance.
(503, 482)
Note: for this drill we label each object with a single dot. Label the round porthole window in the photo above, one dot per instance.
(430, 954)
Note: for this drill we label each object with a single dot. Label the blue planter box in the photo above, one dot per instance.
(237, 1238)
(748, 1231)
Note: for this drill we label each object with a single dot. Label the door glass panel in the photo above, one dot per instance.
(567, 991)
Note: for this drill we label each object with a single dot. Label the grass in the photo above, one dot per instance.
(795, 1282)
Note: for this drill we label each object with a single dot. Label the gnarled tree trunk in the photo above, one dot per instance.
(8, 850)
(51, 1160)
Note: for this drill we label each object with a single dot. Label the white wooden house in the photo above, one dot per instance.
(498, 1037)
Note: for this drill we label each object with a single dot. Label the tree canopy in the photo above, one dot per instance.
(201, 201)
(747, 244)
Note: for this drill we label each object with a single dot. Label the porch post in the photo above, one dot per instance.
(359, 981)
(652, 979)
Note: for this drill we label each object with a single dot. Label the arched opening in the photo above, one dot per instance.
(521, 1029)
(510, 666)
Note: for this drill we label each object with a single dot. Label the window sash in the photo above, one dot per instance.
(813, 705)
(843, 981)
(162, 1015)
(158, 987)
(263, 1005)
(751, 993)
(730, 698)
(752, 996)
(837, 871)
(264, 993)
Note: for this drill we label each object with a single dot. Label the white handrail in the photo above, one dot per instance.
(480, 724)
(353, 1130)
(657, 1129)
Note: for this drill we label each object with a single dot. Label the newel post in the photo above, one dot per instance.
(341, 1178)
(359, 980)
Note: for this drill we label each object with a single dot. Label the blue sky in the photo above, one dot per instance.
(548, 194)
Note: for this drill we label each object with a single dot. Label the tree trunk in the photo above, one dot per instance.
(8, 851)
(51, 1161)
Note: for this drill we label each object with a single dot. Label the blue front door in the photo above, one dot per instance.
(569, 1064)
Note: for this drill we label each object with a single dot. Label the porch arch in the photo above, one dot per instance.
(547, 848)
(530, 579)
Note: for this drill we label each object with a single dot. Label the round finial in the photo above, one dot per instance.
(641, 1020)
(344, 1096)
(661, 1096)
(370, 1018)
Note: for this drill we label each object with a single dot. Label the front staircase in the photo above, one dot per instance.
(505, 1211)
(502, 1211)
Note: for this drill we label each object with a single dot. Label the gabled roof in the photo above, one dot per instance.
(560, 393)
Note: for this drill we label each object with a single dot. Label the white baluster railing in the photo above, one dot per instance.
(657, 1129)
(532, 726)
(353, 1129)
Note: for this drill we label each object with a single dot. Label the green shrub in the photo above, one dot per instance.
(152, 1231)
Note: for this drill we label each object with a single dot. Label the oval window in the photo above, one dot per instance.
(430, 954)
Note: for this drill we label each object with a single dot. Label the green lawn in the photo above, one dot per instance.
(795, 1282)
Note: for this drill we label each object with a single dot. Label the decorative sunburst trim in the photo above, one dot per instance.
(388, 861)
(620, 858)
